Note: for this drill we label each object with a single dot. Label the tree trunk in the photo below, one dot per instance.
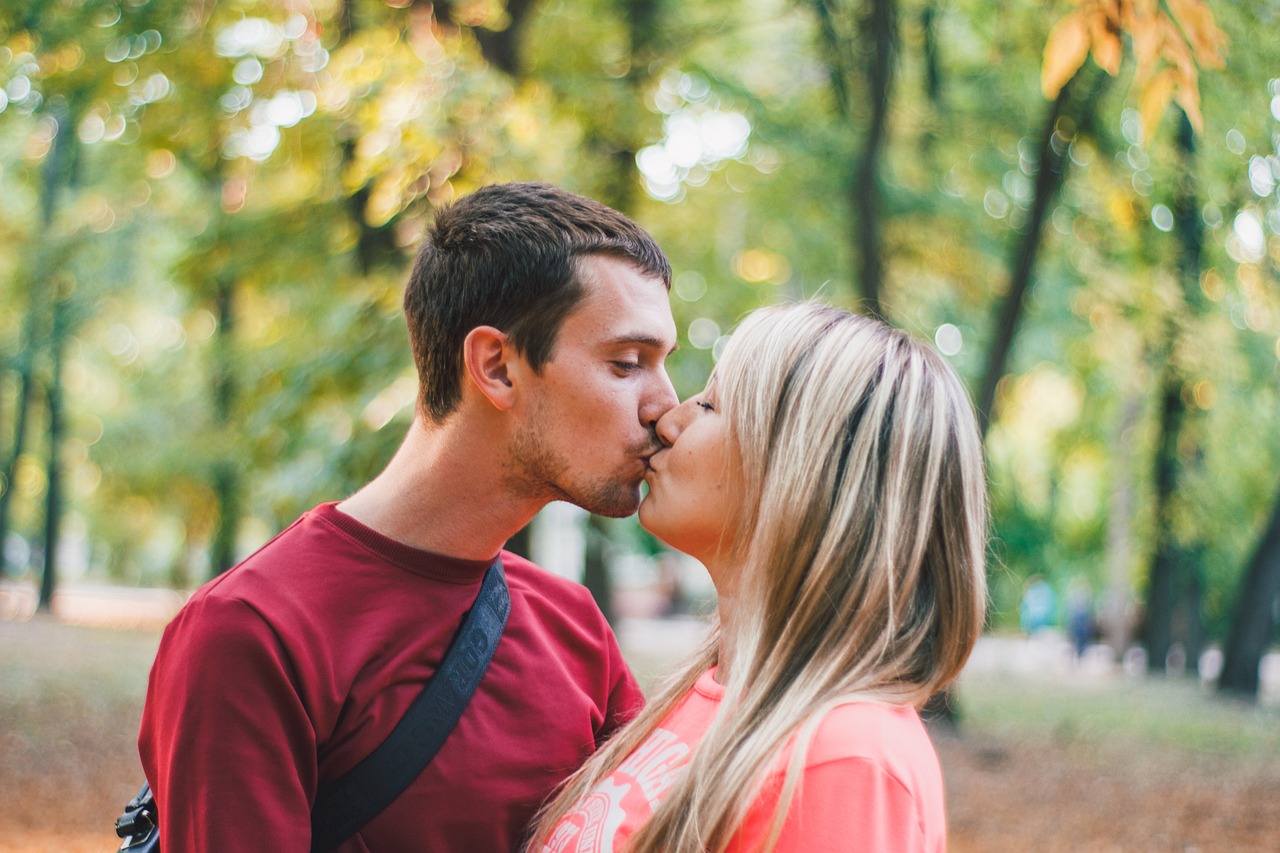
(226, 475)
(500, 48)
(62, 171)
(932, 55)
(374, 245)
(21, 415)
(1253, 620)
(1173, 571)
(1051, 163)
(53, 495)
(837, 61)
(641, 17)
(226, 488)
(933, 76)
(1157, 634)
(1071, 115)
(1115, 613)
(1193, 608)
(880, 32)
(345, 20)
(59, 169)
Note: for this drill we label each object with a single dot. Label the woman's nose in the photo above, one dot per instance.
(660, 400)
(672, 423)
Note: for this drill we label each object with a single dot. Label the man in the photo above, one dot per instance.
(539, 323)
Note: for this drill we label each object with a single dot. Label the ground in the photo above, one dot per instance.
(1062, 792)
(1057, 759)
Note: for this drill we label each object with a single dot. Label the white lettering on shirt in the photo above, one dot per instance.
(657, 764)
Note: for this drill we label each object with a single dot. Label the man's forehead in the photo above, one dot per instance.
(604, 275)
(623, 304)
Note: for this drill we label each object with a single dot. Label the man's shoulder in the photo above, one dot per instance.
(526, 571)
(276, 574)
(531, 579)
(552, 598)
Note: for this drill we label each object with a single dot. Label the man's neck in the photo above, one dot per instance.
(443, 492)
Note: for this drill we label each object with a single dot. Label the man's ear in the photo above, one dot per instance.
(486, 355)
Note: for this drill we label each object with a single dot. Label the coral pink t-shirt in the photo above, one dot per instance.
(871, 782)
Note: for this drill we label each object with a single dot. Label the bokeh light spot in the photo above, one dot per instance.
(948, 339)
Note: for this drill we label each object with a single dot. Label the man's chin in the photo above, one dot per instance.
(617, 510)
(616, 502)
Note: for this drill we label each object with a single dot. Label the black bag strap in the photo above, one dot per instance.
(345, 805)
(137, 826)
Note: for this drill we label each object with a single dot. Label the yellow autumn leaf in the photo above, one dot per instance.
(1172, 40)
(1104, 41)
(1147, 38)
(1187, 95)
(1145, 8)
(1196, 20)
(1153, 98)
(1174, 48)
(1064, 53)
(1126, 14)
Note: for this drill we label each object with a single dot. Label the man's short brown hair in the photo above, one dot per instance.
(507, 256)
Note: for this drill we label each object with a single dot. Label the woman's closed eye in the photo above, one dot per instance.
(705, 405)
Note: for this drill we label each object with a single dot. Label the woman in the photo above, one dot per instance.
(830, 479)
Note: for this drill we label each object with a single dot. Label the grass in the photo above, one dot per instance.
(1175, 714)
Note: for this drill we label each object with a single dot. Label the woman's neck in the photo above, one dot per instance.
(725, 570)
(724, 654)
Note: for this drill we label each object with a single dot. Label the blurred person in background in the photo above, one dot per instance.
(1039, 606)
(830, 479)
(1081, 622)
(539, 324)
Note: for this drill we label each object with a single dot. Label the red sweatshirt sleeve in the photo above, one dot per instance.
(225, 741)
(626, 700)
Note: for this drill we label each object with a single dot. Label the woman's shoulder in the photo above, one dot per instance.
(892, 736)
(870, 781)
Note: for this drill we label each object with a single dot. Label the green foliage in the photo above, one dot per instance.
(293, 159)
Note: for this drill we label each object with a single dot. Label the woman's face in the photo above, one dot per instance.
(695, 483)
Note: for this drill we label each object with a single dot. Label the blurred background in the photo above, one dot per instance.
(207, 213)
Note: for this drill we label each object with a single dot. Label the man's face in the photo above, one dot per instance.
(587, 425)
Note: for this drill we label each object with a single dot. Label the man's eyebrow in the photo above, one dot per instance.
(644, 340)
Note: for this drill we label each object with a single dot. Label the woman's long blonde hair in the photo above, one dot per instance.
(863, 533)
